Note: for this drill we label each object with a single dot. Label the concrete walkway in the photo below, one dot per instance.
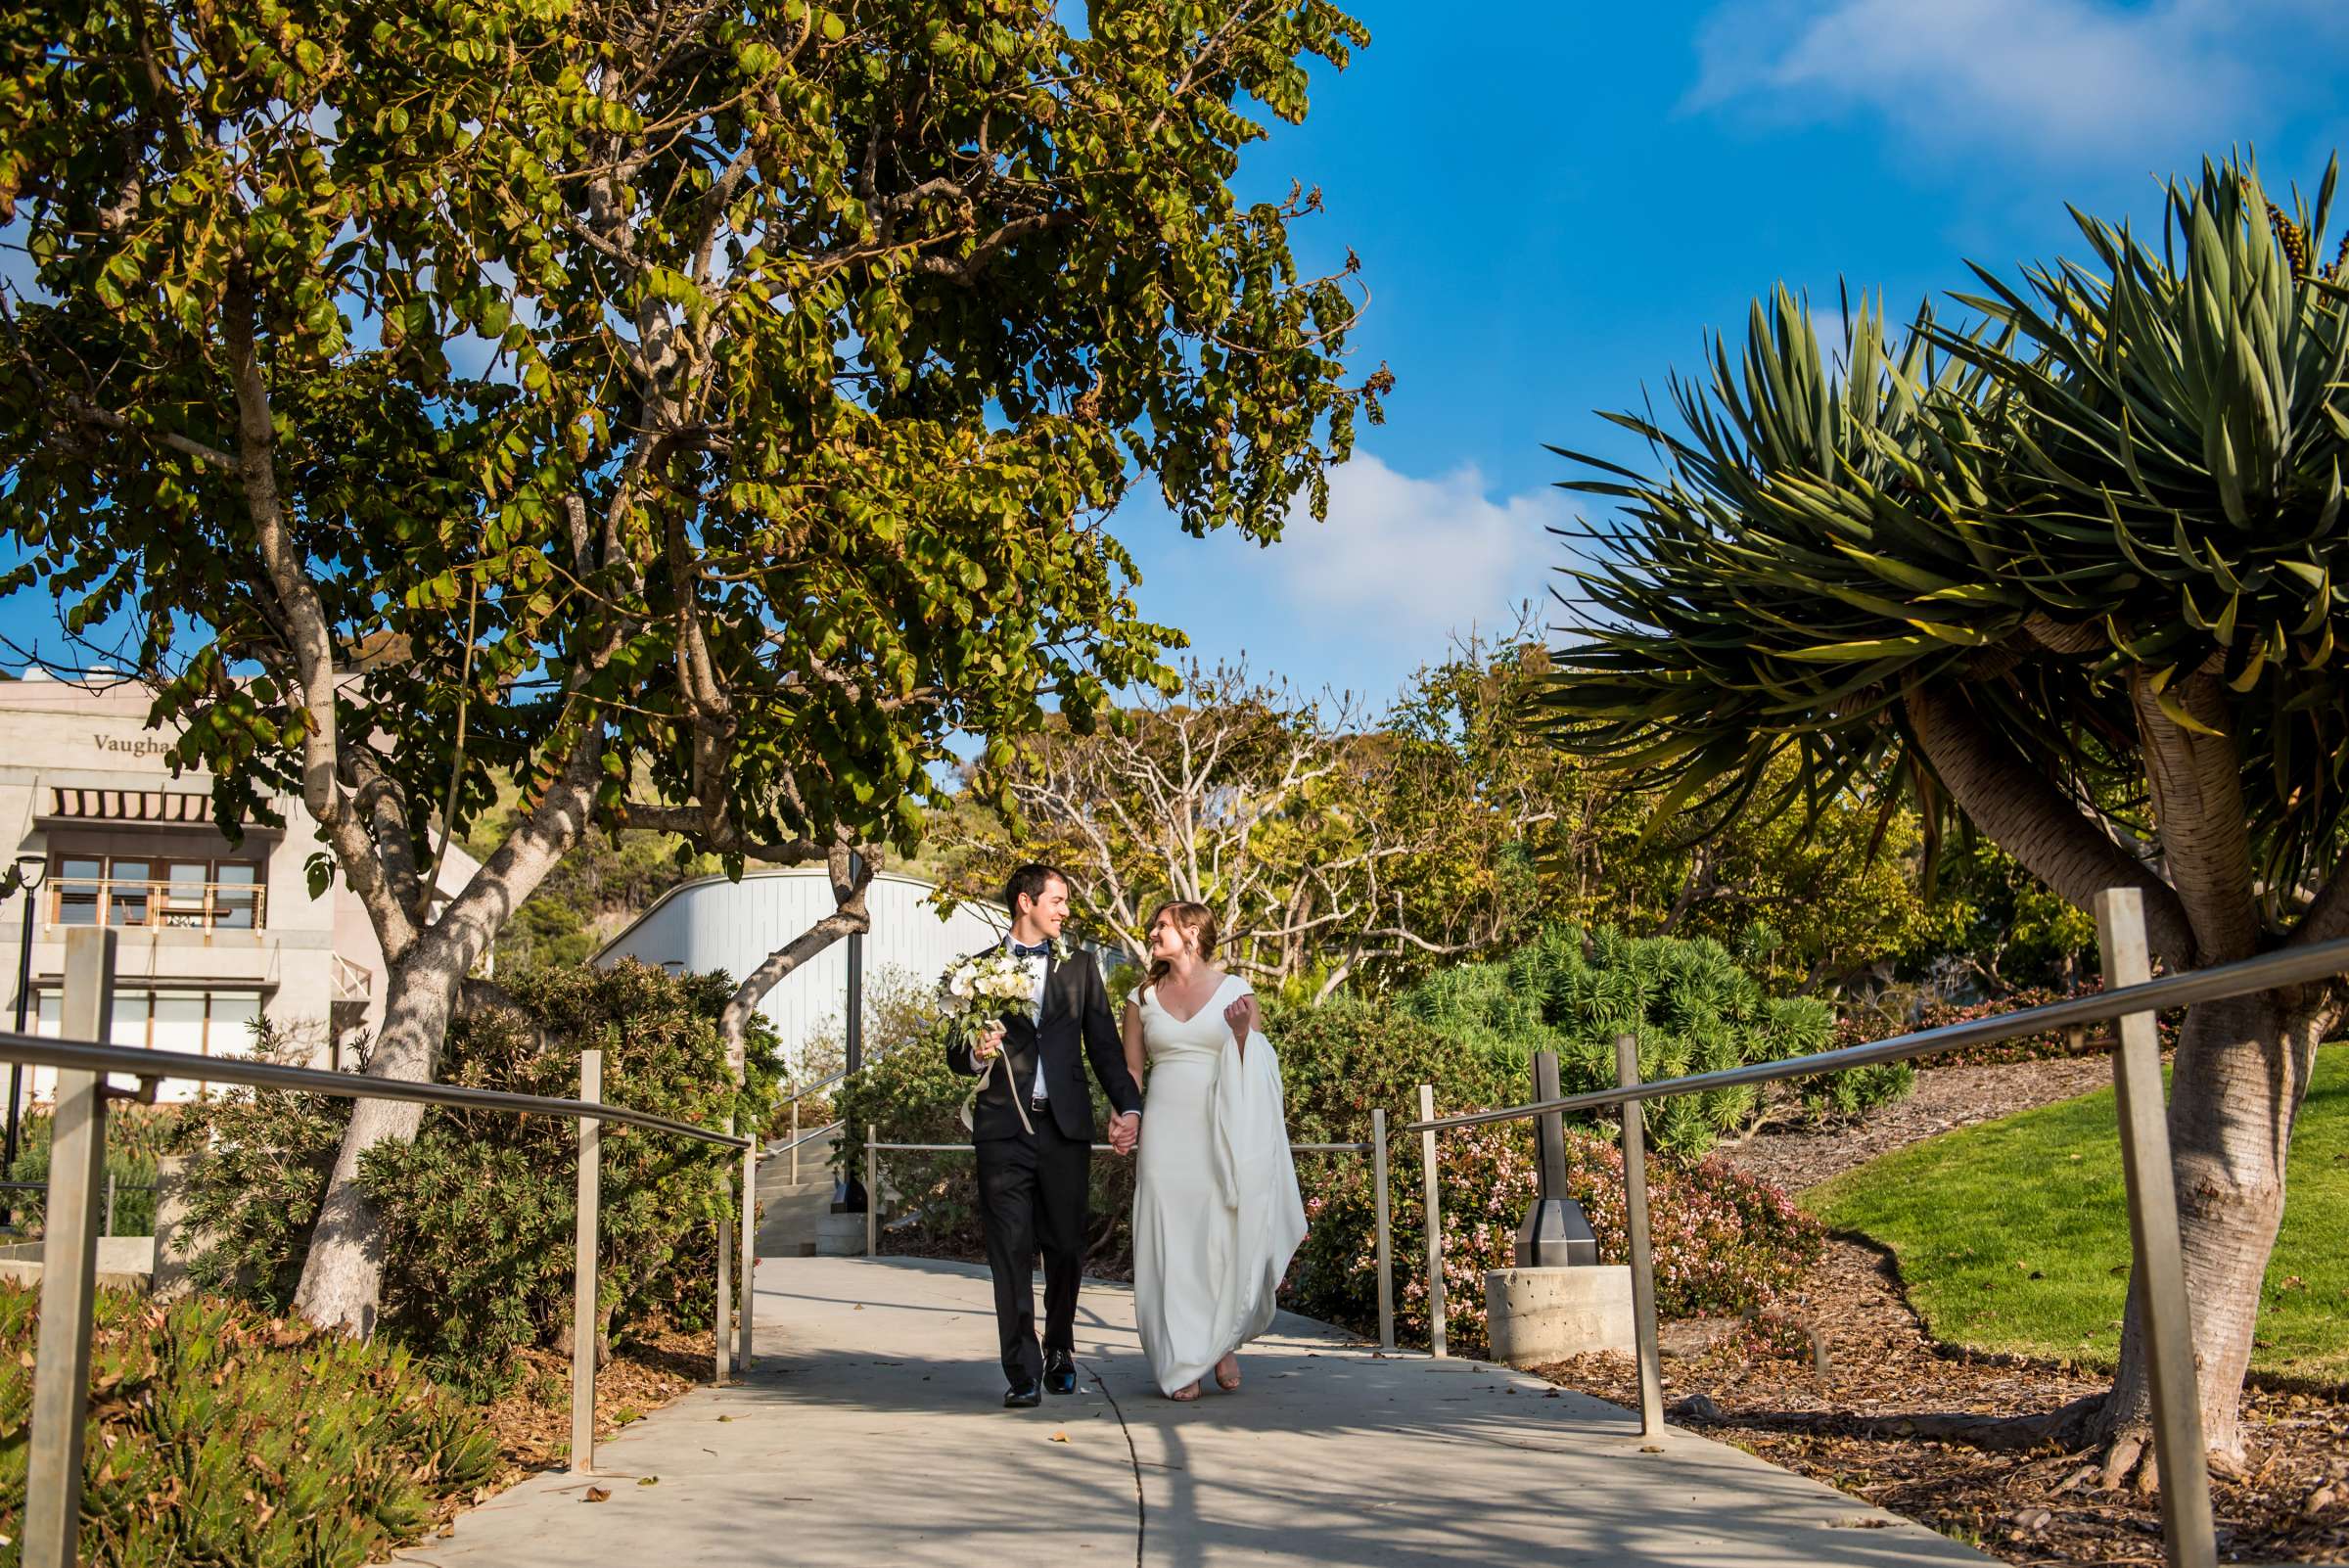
(871, 1433)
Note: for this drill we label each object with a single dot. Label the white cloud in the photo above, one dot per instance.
(2055, 80)
(1405, 559)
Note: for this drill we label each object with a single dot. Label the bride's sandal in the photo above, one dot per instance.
(1185, 1393)
(1229, 1382)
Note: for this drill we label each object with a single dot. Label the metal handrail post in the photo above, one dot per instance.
(60, 1373)
(583, 1287)
(1386, 1236)
(795, 1142)
(872, 1191)
(2189, 1535)
(110, 1205)
(1435, 1226)
(1644, 1261)
(750, 1254)
(721, 1326)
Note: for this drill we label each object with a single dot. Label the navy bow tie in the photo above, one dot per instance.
(1022, 950)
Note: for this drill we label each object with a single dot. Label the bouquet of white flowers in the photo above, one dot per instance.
(975, 992)
(973, 995)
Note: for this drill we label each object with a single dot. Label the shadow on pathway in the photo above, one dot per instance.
(871, 1432)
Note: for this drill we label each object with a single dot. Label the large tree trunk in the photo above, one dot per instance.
(2241, 1072)
(342, 1279)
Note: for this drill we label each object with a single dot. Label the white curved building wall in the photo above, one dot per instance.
(716, 924)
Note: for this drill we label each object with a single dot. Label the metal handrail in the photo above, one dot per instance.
(818, 1089)
(2290, 966)
(51, 1523)
(775, 1151)
(137, 1061)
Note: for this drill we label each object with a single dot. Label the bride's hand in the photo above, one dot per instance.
(1243, 1018)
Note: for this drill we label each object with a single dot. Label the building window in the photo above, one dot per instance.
(192, 1023)
(173, 893)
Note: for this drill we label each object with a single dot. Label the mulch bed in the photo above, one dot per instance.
(1901, 1421)
(1946, 1098)
(533, 1421)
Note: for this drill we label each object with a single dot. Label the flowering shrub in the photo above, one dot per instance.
(1723, 1242)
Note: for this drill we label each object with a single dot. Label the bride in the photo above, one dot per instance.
(1215, 1210)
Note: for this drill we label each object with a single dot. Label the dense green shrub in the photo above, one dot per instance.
(479, 1209)
(218, 1435)
(1723, 1242)
(1687, 1005)
(136, 1138)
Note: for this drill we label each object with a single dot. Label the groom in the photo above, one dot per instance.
(1031, 1125)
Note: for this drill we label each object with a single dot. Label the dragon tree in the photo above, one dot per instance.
(2073, 570)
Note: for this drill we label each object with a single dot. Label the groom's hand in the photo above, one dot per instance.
(984, 1050)
(1124, 1131)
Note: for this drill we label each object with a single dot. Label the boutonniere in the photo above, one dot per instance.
(1062, 950)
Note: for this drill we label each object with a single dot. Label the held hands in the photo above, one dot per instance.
(1124, 1131)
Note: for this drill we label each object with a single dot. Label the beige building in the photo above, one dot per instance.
(212, 935)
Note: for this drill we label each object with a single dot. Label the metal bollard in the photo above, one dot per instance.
(721, 1327)
(1435, 1226)
(1643, 1263)
(2189, 1534)
(584, 1270)
(61, 1374)
(1386, 1236)
(750, 1251)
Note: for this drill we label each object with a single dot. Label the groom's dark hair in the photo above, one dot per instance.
(1031, 880)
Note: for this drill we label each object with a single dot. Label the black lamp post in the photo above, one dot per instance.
(30, 868)
(847, 1193)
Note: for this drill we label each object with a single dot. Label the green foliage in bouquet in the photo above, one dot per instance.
(222, 1436)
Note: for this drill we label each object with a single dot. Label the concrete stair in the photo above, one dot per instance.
(794, 1217)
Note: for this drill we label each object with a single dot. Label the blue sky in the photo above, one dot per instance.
(1554, 203)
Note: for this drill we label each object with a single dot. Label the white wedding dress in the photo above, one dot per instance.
(1216, 1210)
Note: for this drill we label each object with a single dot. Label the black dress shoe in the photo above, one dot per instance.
(1060, 1371)
(1023, 1395)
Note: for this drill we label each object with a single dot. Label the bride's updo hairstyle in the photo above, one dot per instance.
(1197, 919)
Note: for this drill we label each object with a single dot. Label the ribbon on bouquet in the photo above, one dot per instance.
(970, 1101)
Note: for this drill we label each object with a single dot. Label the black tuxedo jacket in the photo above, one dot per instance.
(1075, 1024)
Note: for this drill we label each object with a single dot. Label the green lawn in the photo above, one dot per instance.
(2013, 1237)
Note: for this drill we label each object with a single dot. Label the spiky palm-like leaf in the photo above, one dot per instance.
(2126, 477)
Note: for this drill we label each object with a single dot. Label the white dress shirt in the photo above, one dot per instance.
(1037, 966)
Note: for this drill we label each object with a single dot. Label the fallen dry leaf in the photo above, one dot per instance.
(595, 1494)
(1060, 1437)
